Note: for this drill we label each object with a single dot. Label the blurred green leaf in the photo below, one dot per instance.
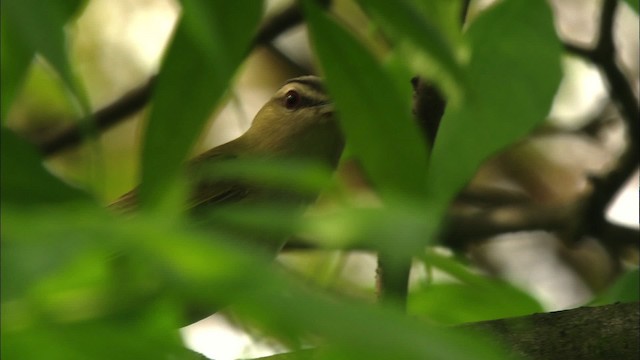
(374, 113)
(625, 289)
(511, 81)
(24, 179)
(473, 298)
(208, 46)
(359, 331)
(38, 27)
(405, 23)
(445, 15)
(452, 303)
(372, 228)
(94, 340)
(301, 176)
(634, 4)
(104, 287)
(184, 268)
(43, 100)
(15, 57)
(77, 283)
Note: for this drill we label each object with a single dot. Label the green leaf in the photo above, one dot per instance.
(304, 177)
(167, 269)
(634, 4)
(15, 57)
(472, 298)
(374, 112)
(76, 282)
(512, 78)
(39, 28)
(208, 46)
(24, 179)
(445, 15)
(377, 228)
(405, 22)
(104, 340)
(452, 303)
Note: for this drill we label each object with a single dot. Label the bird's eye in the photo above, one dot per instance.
(292, 99)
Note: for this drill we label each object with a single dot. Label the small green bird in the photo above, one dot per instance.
(297, 123)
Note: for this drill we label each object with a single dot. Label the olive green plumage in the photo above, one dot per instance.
(297, 122)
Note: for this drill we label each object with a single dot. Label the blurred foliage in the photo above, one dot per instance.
(471, 297)
(24, 180)
(79, 282)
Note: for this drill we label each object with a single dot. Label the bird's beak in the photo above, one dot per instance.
(326, 109)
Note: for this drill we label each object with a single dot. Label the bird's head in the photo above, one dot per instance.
(299, 120)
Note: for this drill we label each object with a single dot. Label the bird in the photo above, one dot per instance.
(298, 122)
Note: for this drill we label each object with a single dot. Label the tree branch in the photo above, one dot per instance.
(604, 332)
(103, 119)
(586, 333)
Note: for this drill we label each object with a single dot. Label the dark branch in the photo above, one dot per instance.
(604, 56)
(286, 59)
(584, 333)
(103, 119)
(587, 333)
(281, 22)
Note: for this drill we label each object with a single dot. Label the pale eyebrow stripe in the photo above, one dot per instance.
(314, 84)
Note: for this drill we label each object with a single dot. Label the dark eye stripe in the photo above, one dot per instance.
(310, 102)
(295, 100)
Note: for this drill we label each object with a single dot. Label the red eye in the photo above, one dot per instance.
(292, 99)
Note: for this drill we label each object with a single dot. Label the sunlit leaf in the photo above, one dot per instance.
(39, 28)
